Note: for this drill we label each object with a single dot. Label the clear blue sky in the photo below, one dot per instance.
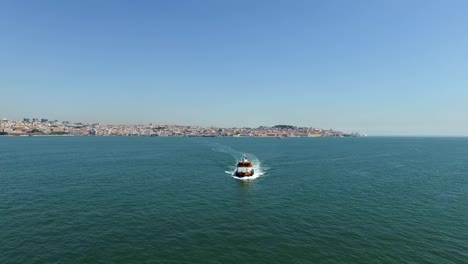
(378, 67)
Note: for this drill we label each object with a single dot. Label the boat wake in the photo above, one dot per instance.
(257, 168)
(257, 165)
(245, 178)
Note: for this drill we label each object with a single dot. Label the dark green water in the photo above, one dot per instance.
(169, 200)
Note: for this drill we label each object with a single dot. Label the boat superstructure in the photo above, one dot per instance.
(244, 168)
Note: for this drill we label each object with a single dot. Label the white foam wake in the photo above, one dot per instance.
(258, 170)
(257, 166)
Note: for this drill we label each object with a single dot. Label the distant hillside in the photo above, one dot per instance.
(284, 127)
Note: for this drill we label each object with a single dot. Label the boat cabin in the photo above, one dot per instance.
(244, 164)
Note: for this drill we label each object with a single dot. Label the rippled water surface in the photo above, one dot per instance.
(170, 200)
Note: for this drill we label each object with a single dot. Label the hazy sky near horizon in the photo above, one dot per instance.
(377, 67)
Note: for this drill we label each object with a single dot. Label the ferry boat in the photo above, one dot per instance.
(244, 168)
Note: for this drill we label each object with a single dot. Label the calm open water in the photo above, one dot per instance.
(169, 200)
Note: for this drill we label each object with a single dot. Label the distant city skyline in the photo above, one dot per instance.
(375, 67)
(41, 127)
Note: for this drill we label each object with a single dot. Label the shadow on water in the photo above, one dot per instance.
(245, 184)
